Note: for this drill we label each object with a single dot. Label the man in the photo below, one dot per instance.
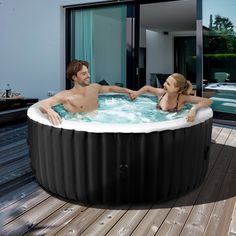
(83, 97)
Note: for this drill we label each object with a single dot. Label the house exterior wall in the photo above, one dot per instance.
(32, 45)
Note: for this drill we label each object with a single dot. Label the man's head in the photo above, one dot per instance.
(77, 70)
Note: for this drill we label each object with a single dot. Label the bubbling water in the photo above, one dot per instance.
(120, 109)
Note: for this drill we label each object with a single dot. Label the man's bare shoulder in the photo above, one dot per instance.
(63, 93)
(58, 97)
(95, 86)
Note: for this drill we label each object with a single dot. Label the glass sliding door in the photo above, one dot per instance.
(185, 57)
(101, 35)
(219, 56)
(168, 40)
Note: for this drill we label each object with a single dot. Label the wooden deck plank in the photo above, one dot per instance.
(232, 227)
(105, 222)
(231, 141)
(80, 223)
(23, 153)
(13, 131)
(13, 167)
(16, 183)
(14, 174)
(220, 218)
(232, 166)
(23, 205)
(232, 171)
(12, 135)
(175, 221)
(223, 136)
(178, 215)
(214, 154)
(203, 207)
(57, 220)
(32, 217)
(12, 152)
(153, 220)
(217, 147)
(226, 154)
(12, 126)
(12, 145)
(215, 132)
(129, 221)
(18, 194)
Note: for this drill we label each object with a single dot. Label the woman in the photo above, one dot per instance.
(174, 95)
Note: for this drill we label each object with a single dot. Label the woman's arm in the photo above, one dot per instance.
(199, 102)
(146, 89)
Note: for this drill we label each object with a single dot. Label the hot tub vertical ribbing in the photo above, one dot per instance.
(116, 167)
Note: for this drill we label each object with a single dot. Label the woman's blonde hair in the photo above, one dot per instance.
(185, 86)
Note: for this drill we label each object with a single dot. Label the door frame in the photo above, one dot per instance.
(132, 39)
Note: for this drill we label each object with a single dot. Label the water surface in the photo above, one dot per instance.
(120, 109)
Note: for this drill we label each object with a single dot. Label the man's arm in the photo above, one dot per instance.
(146, 89)
(112, 88)
(46, 107)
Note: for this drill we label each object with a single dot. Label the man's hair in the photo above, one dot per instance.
(74, 67)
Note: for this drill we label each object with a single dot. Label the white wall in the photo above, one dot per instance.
(32, 51)
(160, 53)
(142, 38)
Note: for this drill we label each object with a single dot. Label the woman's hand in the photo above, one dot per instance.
(191, 115)
(133, 95)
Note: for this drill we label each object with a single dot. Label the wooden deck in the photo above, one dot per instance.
(25, 208)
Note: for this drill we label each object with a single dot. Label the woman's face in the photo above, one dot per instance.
(170, 85)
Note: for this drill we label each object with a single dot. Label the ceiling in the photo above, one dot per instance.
(169, 16)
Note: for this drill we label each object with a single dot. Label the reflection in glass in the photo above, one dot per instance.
(98, 35)
(219, 49)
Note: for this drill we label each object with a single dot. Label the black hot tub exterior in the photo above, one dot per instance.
(119, 168)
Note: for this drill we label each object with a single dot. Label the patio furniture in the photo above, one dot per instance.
(157, 80)
(221, 77)
(14, 109)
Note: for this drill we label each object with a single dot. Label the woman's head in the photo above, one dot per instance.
(74, 67)
(185, 86)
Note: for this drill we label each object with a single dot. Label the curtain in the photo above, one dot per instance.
(83, 38)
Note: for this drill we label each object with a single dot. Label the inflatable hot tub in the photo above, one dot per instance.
(94, 162)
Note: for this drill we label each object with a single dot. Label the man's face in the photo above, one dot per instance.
(83, 77)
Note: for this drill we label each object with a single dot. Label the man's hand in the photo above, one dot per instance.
(53, 117)
(133, 95)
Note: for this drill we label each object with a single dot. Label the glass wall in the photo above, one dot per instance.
(98, 35)
(219, 56)
(185, 57)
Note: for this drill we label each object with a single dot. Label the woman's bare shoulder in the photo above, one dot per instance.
(160, 92)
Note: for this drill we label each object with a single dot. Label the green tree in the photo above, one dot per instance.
(223, 24)
(222, 38)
